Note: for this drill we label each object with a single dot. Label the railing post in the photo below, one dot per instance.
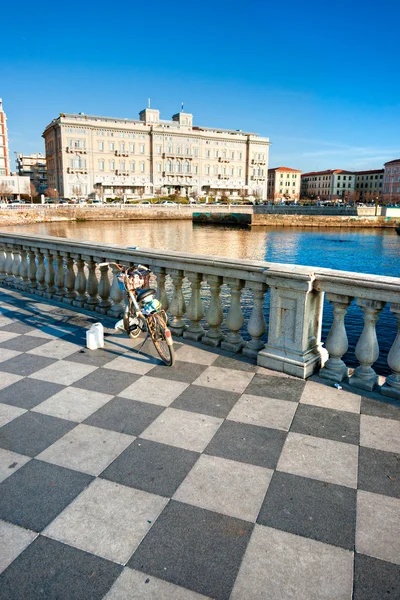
(104, 289)
(9, 263)
(214, 315)
(256, 325)
(336, 342)
(23, 269)
(195, 311)
(33, 284)
(15, 268)
(392, 386)
(295, 319)
(161, 293)
(116, 295)
(69, 278)
(92, 285)
(177, 306)
(80, 281)
(367, 348)
(49, 275)
(2, 262)
(40, 273)
(235, 319)
(59, 276)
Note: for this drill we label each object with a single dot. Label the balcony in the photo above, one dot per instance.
(118, 153)
(75, 150)
(223, 160)
(257, 162)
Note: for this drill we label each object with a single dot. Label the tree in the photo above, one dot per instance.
(140, 192)
(194, 194)
(119, 193)
(5, 190)
(51, 193)
(33, 193)
(243, 193)
(77, 191)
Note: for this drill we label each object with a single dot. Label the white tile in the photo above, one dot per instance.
(7, 379)
(73, 404)
(282, 566)
(154, 390)
(133, 585)
(382, 434)
(378, 526)
(7, 335)
(13, 541)
(137, 364)
(229, 380)
(87, 449)
(55, 349)
(107, 519)
(9, 413)
(183, 429)
(225, 486)
(316, 394)
(10, 462)
(318, 458)
(195, 355)
(6, 354)
(63, 372)
(4, 321)
(262, 411)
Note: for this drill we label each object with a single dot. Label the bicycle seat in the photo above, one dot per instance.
(142, 294)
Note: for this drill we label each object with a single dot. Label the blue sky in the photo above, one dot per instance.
(321, 80)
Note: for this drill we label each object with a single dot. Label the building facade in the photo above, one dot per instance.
(111, 157)
(33, 166)
(283, 184)
(334, 184)
(4, 151)
(14, 186)
(369, 184)
(391, 182)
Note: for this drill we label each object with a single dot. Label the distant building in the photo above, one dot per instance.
(283, 183)
(4, 152)
(34, 166)
(334, 184)
(14, 186)
(113, 157)
(391, 182)
(369, 184)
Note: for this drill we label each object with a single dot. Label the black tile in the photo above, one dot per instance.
(207, 401)
(125, 416)
(326, 423)
(96, 358)
(386, 409)
(23, 343)
(181, 371)
(106, 381)
(238, 364)
(35, 494)
(195, 548)
(152, 467)
(28, 393)
(48, 569)
(314, 509)
(31, 433)
(17, 328)
(25, 364)
(379, 472)
(282, 388)
(251, 444)
(375, 579)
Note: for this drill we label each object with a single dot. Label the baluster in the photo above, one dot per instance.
(161, 293)
(336, 342)
(2, 263)
(195, 311)
(392, 386)
(235, 319)
(69, 278)
(40, 273)
(15, 267)
(214, 315)
(80, 282)
(32, 285)
(116, 295)
(23, 269)
(367, 349)
(256, 325)
(177, 307)
(9, 264)
(49, 275)
(60, 275)
(104, 289)
(92, 285)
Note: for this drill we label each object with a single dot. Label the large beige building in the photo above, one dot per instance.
(283, 184)
(110, 156)
(391, 182)
(369, 184)
(334, 184)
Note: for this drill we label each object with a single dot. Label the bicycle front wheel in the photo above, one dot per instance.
(162, 339)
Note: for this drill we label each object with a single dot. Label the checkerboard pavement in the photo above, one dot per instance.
(125, 479)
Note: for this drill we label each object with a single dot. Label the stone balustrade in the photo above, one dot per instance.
(68, 271)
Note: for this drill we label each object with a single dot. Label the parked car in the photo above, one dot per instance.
(145, 202)
(169, 203)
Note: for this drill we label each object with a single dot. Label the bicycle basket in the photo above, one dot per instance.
(141, 278)
(121, 284)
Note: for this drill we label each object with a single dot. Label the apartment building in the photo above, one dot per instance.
(110, 156)
(13, 187)
(33, 166)
(283, 184)
(369, 184)
(391, 181)
(334, 184)
(4, 151)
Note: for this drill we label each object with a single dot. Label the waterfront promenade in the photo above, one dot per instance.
(125, 479)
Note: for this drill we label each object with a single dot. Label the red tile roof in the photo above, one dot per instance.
(285, 169)
(369, 172)
(328, 172)
(396, 160)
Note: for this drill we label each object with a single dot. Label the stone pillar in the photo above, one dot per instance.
(256, 325)
(92, 285)
(2, 263)
(195, 311)
(33, 284)
(235, 319)
(80, 282)
(177, 306)
(295, 319)
(15, 267)
(104, 290)
(336, 342)
(69, 279)
(40, 273)
(214, 315)
(23, 269)
(9, 263)
(49, 275)
(161, 293)
(59, 276)
(116, 295)
(392, 386)
(367, 349)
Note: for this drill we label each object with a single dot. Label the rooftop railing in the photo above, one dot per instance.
(68, 271)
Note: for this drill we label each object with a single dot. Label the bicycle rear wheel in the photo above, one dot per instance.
(162, 339)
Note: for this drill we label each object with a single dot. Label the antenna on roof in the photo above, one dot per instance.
(182, 107)
(148, 103)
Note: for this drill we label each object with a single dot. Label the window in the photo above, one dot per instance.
(339, 177)
(344, 177)
(187, 151)
(111, 165)
(101, 165)
(178, 150)
(196, 151)
(215, 153)
(207, 154)
(158, 149)
(196, 169)
(294, 183)
(131, 147)
(240, 155)
(215, 170)
(168, 166)
(232, 155)
(142, 167)
(232, 171)
(141, 148)
(207, 170)
(100, 146)
(122, 165)
(122, 146)
(169, 149)
(158, 167)
(239, 171)
(132, 167)
(186, 167)
(178, 166)
(111, 146)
